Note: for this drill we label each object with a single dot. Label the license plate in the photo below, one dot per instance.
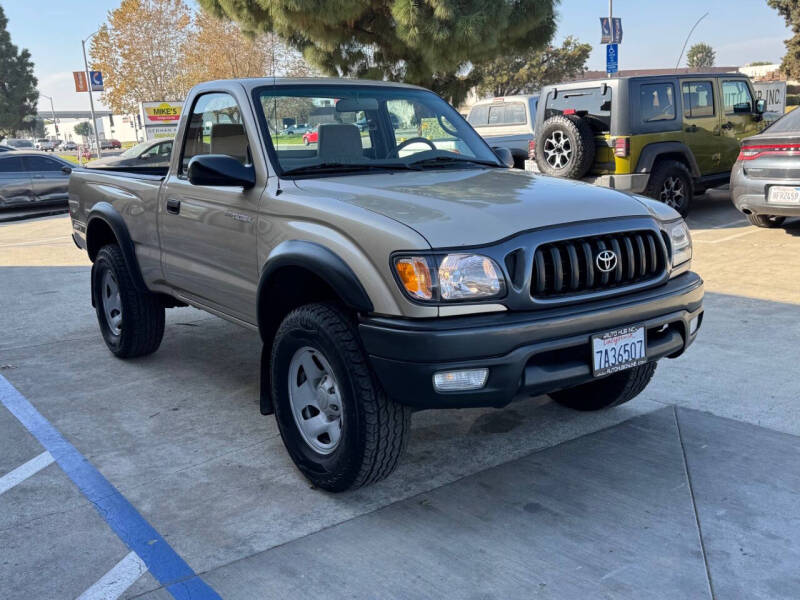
(782, 194)
(619, 349)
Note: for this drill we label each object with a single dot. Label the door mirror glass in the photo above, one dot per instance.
(761, 106)
(220, 169)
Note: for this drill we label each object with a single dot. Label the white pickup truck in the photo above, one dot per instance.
(507, 122)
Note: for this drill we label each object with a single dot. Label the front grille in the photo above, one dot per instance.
(569, 267)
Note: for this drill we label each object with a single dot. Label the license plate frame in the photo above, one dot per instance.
(792, 191)
(620, 349)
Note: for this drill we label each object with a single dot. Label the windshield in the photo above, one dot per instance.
(136, 150)
(20, 143)
(353, 128)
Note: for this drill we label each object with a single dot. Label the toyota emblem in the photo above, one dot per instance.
(606, 261)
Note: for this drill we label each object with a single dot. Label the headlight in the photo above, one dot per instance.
(450, 277)
(681, 241)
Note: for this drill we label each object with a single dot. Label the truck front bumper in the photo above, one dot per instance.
(534, 352)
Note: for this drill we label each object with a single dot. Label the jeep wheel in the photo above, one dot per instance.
(565, 147)
(609, 391)
(671, 183)
(768, 221)
(131, 321)
(338, 425)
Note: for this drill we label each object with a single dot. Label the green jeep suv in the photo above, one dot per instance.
(667, 136)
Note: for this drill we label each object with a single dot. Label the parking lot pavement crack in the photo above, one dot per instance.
(694, 504)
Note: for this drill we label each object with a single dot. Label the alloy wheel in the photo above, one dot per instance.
(112, 302)
(557, 150)
(673, 192)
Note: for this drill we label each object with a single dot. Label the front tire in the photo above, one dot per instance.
(338, 425)
(767, 221)
(131, 321)
(671, 183)
(607, 392)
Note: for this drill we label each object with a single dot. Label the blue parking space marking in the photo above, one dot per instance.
(162, 561)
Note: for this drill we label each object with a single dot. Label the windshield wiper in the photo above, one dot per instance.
(337, 167)
(448, 160)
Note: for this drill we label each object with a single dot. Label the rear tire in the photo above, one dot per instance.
(607, 392)
(767, 221)
(318, 363)
(565, 147)
(671, 183)
(131, 321)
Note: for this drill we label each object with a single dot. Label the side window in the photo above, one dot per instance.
(11, 165)
(215, 126)
(698, 99)
(479, 115)
(41, 163)
(736, 97)
(657, 102)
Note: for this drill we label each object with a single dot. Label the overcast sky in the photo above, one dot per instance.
(741, 32)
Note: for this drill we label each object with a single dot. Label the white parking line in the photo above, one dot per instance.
(22, 472)
(114, 583)
(722, 226)
(731, 237)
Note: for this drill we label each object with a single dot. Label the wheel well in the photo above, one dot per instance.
(677, 157)
(98, 234)
(288, 288)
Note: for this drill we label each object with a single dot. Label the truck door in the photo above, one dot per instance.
(739, 119)
(701, 124)
(208, 233)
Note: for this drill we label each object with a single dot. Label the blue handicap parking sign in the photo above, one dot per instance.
(612, 58)
(96, 81)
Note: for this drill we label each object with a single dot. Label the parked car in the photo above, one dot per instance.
(31, 178)
(69, 146)
(296, 129)
(384, 274)
(507, 122)
(312, 137)
(20, 144)
(667, 136)
(153, 153)
(4, 148)
(110, 144)
(45, 145)
(765, 182)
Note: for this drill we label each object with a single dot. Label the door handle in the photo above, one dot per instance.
(691, 128)
(727, 125)
(173, 206)
(38, 176)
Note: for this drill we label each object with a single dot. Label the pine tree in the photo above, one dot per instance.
(18, 93)
(790, 11)
(434, 43)
(701, 56)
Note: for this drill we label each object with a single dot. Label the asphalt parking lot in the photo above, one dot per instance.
(689, 491)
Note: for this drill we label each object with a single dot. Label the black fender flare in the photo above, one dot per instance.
(651, 153)
(320, 261)
(103, 211)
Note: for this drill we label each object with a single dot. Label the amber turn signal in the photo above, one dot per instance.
(415, 275)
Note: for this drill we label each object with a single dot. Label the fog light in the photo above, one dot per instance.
(694, 324)
(459, 381)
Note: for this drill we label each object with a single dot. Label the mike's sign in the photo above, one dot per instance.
(160, 119)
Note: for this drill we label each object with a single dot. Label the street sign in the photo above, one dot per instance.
(80, 81)
(610, 30)
(97, 81)
(612, 58)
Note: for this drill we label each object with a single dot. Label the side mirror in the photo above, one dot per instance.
(220, 169)
(144, 156)
(761, 106)
(505, 156)
(66, 170)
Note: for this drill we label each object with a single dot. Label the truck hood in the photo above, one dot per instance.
(472, 207)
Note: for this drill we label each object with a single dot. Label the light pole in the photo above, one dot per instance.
(677, 64)
(89, 91)
(52, 111)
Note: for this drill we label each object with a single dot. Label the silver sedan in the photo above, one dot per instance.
(31, 178)
(765, 181)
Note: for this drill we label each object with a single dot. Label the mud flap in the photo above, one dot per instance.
(265, 397)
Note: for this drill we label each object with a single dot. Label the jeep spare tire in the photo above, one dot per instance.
(565, 147)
